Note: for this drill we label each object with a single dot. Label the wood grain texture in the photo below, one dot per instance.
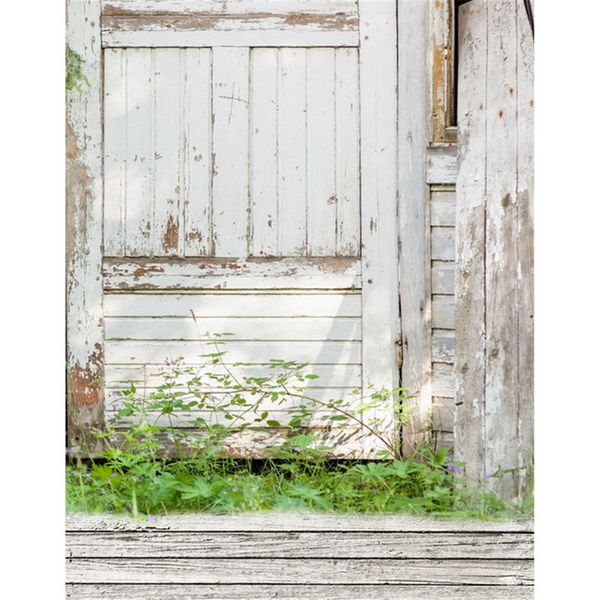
(253, 23)
(293, 592)
(495, 270)
(341, 545)
(288, 521)
(239, 274)
(525, 241)
(414, 218)
(379, 187)
(291, 571)
(84, 198)
(441, 164)
(470, 233)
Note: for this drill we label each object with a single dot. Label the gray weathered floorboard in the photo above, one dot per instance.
(293, 544)
(294, 571)
(286, 521)
(258, 556)
(295, 592)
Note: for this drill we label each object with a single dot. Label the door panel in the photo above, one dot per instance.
(250, 180)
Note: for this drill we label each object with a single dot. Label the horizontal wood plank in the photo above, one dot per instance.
(292, 571)
(210, 38)
(220, 273)
(443, 380)
(142, 352)
(225, 304)
(443, 344)
(443, 277)
(443, 206)
(287, 521)
(293, 592)
(442, 164)
(255, 328)
(341, 545)
(151, 376)
(442, 243)
(443, 310)
(221, 7)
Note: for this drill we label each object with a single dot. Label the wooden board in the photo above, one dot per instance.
(379, 186)
(84, 198)
(236, 23)
(290, 592)
(334, 544)
(414, 218)
(494, 283)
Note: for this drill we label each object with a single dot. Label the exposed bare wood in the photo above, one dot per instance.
(494, 270)
(525, 281)
(215, 274)
(441, 19)
(330, 544)
(291, 592)
(287, 521)
(84, 190)
(415, 251)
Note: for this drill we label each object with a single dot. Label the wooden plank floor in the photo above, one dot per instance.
(296, 556)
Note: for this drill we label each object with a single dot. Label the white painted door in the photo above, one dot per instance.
(250, 177)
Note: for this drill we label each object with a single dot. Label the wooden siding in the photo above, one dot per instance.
(494, 423)
(261, 556)
(443, 308)
(178, 183)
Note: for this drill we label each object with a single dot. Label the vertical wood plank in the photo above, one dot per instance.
(378, 119)
(469, 430)
(263, 150)
(502, 333)
(320, 114)
(115, 148)
(415, 251)
(168, 120)
(525, 279)
(291, 132)
(347, 153)
(197, 135)
(84, 191)
(230, 151)
(140, 152)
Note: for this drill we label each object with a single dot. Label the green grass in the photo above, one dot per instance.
(215, 401)
(127, 484)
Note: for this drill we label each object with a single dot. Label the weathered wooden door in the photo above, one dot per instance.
(249, 176)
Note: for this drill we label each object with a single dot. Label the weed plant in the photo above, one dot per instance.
(187, 446)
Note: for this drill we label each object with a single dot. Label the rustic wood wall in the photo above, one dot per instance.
(494, 283)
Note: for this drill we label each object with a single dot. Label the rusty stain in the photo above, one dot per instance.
(531, 103)
(85, 383)
(145, 269)
(171, 235)
(511, 91)
(500, 113)
(122, 19)
(193, 236)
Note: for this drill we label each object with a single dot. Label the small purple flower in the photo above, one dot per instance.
(70, 451)
(151, 518)
(487, 476)
(453, 468)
